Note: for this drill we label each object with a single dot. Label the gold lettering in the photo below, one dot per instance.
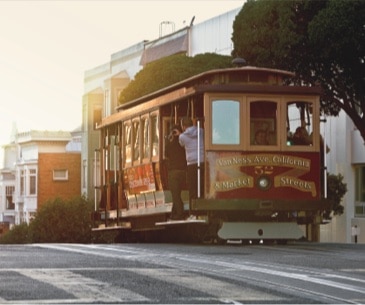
(227, 185)
(302, 185)
(264, 159)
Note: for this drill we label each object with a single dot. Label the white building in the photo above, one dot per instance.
(347, 157)
(21, 189)
(104, 83)
(7, 184)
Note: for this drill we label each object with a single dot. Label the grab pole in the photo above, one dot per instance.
(198, 123)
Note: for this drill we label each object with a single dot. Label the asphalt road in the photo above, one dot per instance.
(301, 273)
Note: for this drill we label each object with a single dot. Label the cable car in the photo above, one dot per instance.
(264, 163)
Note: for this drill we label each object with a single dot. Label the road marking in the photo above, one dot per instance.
(88, 290)
(219, 289)
(234, 270)
(140, 255)
(83, 288)
(353, 270)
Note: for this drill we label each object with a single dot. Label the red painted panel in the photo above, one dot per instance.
(236, 174)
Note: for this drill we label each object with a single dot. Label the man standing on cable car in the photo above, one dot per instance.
(194, 151)
(176, 171)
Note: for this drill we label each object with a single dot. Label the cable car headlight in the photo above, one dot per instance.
(264, 182)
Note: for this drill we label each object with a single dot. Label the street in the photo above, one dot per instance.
(300, 273)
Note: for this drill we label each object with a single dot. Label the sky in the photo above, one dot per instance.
(46, 46)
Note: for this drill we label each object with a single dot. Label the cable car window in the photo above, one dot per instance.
(226, 122)
(112, 153)
(299, 123)
(136, 140)
(128, 143)
(154, 135)
(146, 137)
(263, 122)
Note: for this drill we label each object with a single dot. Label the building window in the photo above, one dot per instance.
(60, 174)
(107, 102)
(97, 117)
(360, 191)
(32, 182)
(9, 197)
(22, 182)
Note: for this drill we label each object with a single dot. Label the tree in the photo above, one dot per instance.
(169, 70)
(337, 37)
(322, 41)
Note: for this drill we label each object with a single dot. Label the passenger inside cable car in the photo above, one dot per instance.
(261, 138)
(301, 137)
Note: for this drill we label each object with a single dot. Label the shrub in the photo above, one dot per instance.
(56, 221)
(61, 221)
(336, 190)
(19, 234)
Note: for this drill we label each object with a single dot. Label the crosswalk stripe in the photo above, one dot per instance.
(88, 290)
(83, 288)
(219, 289)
